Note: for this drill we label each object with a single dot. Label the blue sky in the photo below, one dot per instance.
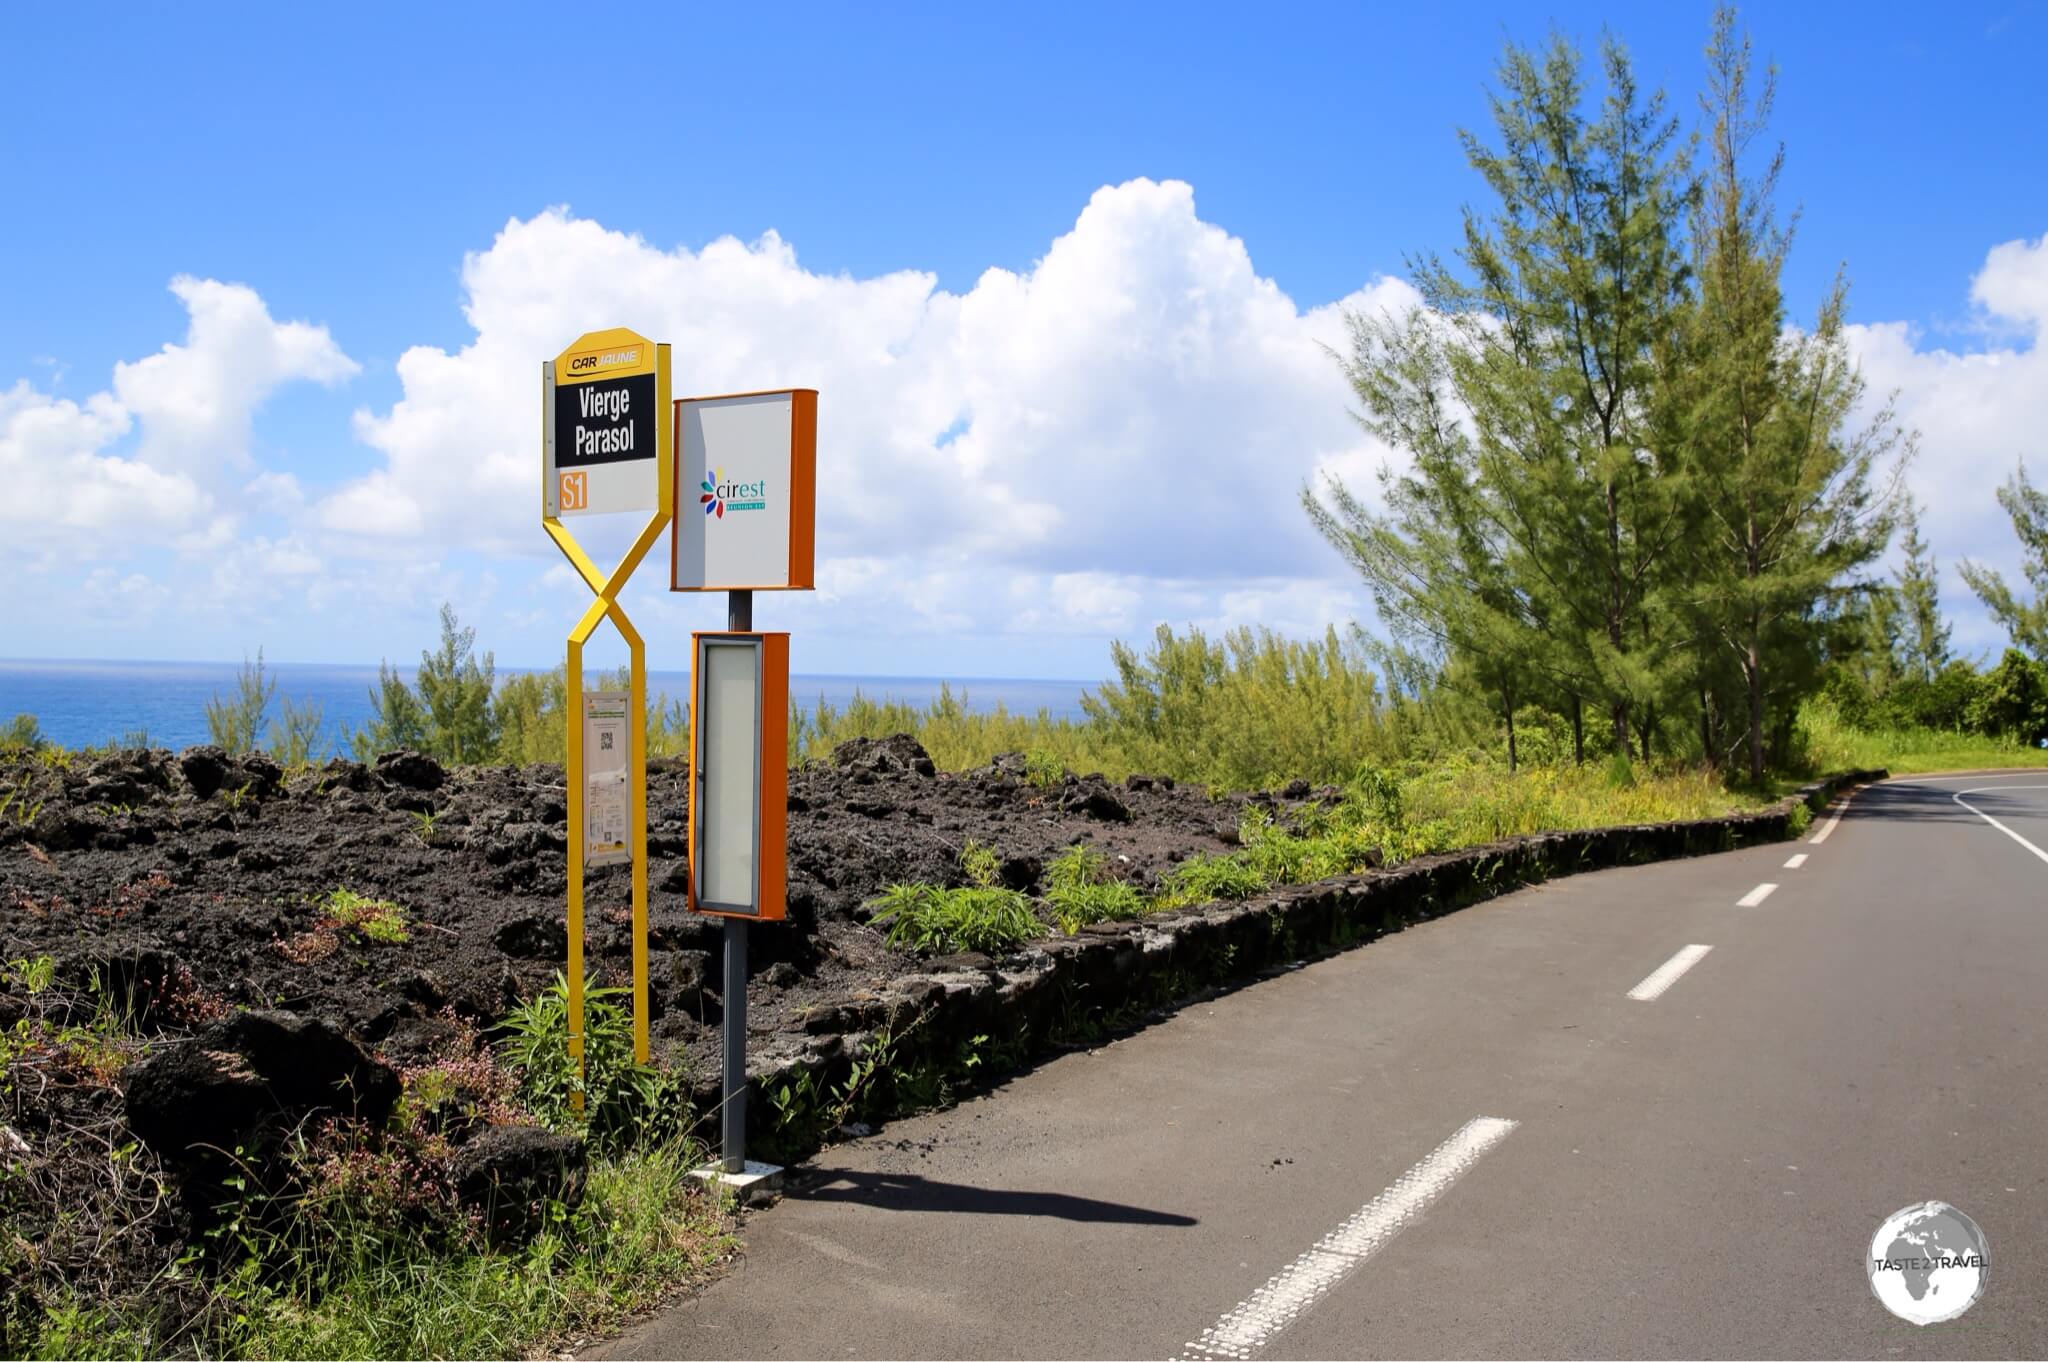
(385, 176)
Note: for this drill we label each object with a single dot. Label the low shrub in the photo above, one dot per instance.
(1043, 769)
(1830, 743)
(1207, 879)
(978, 916)
(925, 917)
(623, 1100)
(23, 734)
(1079, 889)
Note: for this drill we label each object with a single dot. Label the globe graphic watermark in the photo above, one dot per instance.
(1928, 1262)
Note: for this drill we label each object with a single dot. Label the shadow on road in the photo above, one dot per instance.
(1936, 803)
(907, 1192)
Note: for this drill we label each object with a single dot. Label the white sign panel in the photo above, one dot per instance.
(745, 492)
(602, 424)
(607, 777)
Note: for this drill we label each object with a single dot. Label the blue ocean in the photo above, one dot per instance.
(80, 704)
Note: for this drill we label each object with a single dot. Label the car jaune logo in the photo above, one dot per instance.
(609, 360)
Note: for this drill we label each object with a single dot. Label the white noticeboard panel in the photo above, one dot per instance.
(607, 777)
(746, 500)
(730, 726)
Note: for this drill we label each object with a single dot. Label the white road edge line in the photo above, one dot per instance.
(1299, 1285)
(1986, 789)
(1796, 861)
(1821, 834)
(1667, 974)
(1756, 896)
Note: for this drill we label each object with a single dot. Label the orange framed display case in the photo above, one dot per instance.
(739, 774)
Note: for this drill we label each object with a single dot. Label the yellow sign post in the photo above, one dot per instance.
(606, 434)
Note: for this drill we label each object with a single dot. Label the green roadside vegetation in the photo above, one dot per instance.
(1378, 819)
(347, 1243)
(1912, 749)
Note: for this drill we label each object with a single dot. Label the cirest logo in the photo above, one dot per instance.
(1928, 1262)
(719, 494)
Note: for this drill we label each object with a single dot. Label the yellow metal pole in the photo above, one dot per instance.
(637, 721)
(573, 713)
(664, 500)
(574, 697)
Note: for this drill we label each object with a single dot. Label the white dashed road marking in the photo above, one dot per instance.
(1796, 861)
(1986, 789)
(1337, 1254)
(1667, 974)
(1756, 896)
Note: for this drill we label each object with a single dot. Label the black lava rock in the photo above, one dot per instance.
(205, 769)
(896, 755)
(512, 1173)
(257, 773)
(1097, 802)
(413, 770)
(533, 938)
(248, 1078)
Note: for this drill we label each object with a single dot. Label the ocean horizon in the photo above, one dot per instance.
(81, 703)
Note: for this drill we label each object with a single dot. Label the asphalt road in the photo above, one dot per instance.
(1323, 1165)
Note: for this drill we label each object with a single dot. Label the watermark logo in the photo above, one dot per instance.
(1928, 1262)
(719, 494)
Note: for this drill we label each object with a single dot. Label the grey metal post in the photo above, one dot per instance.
(739, 617)
(735, 1105)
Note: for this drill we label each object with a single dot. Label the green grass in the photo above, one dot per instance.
(1043, 769)
(1209, 879)
(642, 1225)
(926, 917)
(363, 1290)
(377, 919)
(15, 806)
(1240, 711)
(981, 865)
(368, 1257)
(978, 916)
(1478, 803)
(1380, 820)
(1834, 746)
(1080, 890)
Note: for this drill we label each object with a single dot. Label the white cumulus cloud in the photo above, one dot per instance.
(73, 493)
(1979, 413)
(1034, 454)
(194, 400)
(1009, 475)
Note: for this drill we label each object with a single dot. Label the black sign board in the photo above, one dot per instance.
(607, 420)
